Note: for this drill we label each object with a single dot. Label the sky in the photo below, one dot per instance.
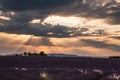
(80, 27)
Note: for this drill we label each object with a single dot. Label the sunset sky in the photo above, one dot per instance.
(80, 27)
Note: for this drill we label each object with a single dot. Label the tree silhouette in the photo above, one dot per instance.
(16, 54)
(42, 53)
(25, 53)
(29, 53)
(114, 56)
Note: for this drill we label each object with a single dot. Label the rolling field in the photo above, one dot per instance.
(58, 68)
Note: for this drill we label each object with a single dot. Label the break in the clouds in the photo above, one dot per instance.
(56, 24)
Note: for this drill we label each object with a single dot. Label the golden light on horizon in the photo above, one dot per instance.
(60, 45)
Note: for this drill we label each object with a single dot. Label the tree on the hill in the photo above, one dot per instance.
(25, 53)
(29, 54)
(42, 53)
(16, 54)
(114, 57)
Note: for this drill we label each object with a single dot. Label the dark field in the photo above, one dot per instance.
(58, 68)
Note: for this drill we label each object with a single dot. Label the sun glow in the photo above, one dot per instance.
(66, 21)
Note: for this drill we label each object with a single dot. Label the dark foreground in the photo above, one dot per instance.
(58, 68)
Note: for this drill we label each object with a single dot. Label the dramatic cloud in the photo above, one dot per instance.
(105, 9)
(26, 11)
(48, 24)
(47, 30)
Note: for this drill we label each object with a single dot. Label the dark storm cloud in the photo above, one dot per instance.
(33, 8)
(39, 42)
(20, 24)
(100, 44)
(22, 5)
(46, 30)
(21, 18)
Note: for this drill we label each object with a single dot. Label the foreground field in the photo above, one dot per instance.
(59, 68)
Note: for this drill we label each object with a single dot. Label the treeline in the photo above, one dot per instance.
(42, 53)
(114, 57)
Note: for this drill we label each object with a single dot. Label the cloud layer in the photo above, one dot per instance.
(40, 9)
(16, 17)
(108, 9)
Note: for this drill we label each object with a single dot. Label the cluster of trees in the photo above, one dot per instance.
(114, 57)
(32, 54)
